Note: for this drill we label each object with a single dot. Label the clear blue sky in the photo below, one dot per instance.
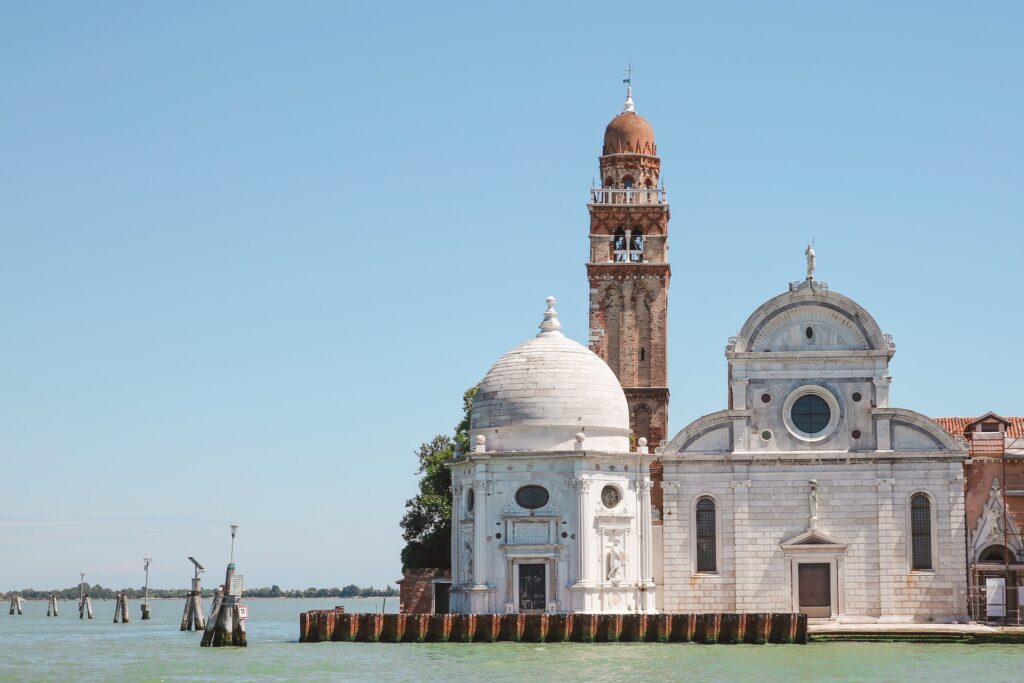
(254, 252)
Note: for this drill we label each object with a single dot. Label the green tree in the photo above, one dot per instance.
(427, 522)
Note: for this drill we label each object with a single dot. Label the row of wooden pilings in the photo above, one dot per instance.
(757, 628)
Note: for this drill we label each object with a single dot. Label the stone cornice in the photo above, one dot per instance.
(804, 357)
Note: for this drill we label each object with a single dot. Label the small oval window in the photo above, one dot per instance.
(470, 500)
(809, 332)
(532, 497)
(611, 496)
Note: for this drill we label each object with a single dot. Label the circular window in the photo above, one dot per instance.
(856, 396)
(611, 496)
(470, 500)
(766, 435)
(811, 413)
(532, 497)
(766, 398)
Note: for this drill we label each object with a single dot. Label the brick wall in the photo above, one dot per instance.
(416, 589)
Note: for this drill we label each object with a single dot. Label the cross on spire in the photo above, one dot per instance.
(628, 80)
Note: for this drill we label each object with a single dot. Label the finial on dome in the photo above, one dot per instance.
(628, 80)
(551, 325)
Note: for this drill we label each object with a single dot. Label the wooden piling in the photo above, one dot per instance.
(370, 627)
(536, 628)
(584, 628)
(18, 604)
(51, 606)
(661, 630)
(513, 626)
(708, 627)
(346, 627)
(193, 618)
(759, 628)
(324, 625)
(121, 608)
(226, 626)
(394, 628)
(463, 628)
(488, 628)
(560, 628)
(609, 628)
(85, 606)
(440, 628)
(416, 626)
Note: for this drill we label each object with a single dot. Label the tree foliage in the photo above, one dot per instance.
(427, 522)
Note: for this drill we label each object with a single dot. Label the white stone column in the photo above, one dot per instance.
(889, 559)
(481, 489)
(648, 599)
(584, 573)
(744, 586)
(882, 391)
(739, 394)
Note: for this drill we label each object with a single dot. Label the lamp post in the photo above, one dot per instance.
(234, 530)
(146, 559)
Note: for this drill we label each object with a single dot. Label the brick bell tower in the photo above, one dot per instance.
(629, 272)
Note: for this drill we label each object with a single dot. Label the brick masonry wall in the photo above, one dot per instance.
(416, 589)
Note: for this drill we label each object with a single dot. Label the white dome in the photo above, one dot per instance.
(542, 393)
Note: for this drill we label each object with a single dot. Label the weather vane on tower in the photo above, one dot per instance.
(628, 80)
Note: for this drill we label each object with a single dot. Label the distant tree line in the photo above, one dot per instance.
(98, 592)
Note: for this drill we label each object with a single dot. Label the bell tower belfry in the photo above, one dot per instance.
(628, 270)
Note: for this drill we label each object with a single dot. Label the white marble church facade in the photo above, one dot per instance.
(810, 492)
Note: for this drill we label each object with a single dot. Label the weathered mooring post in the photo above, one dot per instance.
(51, 606)
(146, 559)
(84, 603)
(226, 626)
(17, 604)
(193, 617)
(121, 608)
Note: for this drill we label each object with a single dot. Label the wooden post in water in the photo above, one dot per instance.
(193, 616)
(226, 626)
(121, 608)
(17, 604)
(51, 606)
(84, 603)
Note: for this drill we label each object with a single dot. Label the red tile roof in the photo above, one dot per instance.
(956, 425)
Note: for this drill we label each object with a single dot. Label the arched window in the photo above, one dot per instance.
(627, 182)
(636, 246)
(921, 532)
(707, 560)
(620, 245)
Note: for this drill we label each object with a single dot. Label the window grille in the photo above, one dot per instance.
(706, 537)
(921, 532)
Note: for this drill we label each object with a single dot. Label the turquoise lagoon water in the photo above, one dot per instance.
(35, 648)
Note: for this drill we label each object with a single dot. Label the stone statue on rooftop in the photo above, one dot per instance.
(809, 253)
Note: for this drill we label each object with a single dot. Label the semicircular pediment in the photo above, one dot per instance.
(808, 319)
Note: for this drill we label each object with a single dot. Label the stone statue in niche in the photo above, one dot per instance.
(616, 562)
(814, 500)
(467, 562)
